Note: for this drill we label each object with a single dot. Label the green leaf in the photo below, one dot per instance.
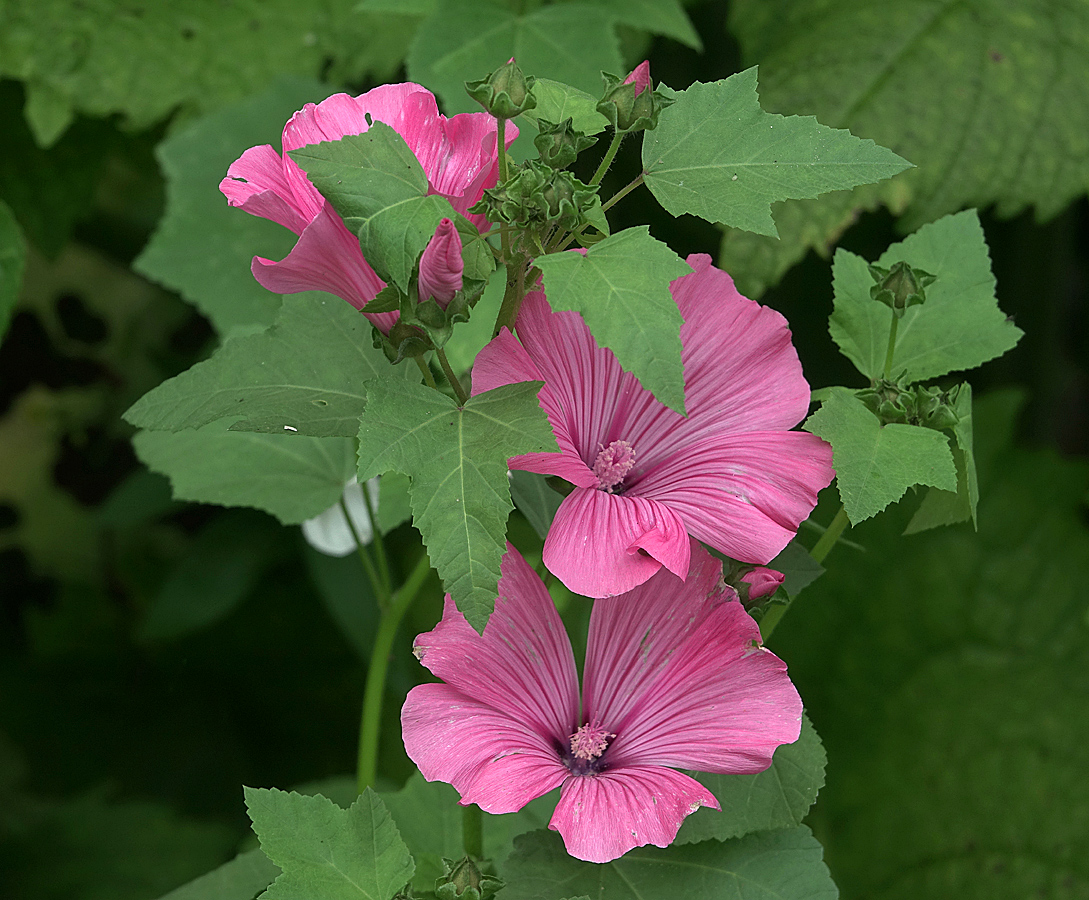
(379, 189)
(958, 327)
(243, 878)
(146, 60)
(218, 572)
(302, 376)
(292, 477)
(875, 464)
(778, 797)
(948, 507)
(784, 864)
(986, 98)
(953, 703)
(464, 40)
(457, 460)
(718, 155)
(798, 567)
(534, 499)
(430, 820)
(12, 263)
(469, 338)
(665, 17)
(329, 853)
(556, 102)
(621, 288)
(203, 247)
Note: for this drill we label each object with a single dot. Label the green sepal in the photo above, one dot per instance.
(559, 145)
(506, 93)
(466, 879)
(628, 111)
(900, 286)
(537, 196)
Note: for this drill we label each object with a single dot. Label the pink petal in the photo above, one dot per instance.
(504, 361)
(341, 114)
(325, 258)
(441, 266)
(603, 544)
(602, 817)
(640, 77)
(521, 666)
(492, 759)
(685, 683)
(256, 183)
(744, 494)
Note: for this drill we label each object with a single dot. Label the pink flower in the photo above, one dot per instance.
(458, 155)
(682, 685)
(441, 265)
(762, 581)
(731, 474)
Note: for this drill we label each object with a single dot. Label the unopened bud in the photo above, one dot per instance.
(506, 93)
(762, 582)
(465, 880)
(900, 287)
(441, 265)
(631, 104)
(559, 145)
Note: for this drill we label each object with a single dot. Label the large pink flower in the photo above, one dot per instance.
(682, 685)
(457, 154)
(731, 473)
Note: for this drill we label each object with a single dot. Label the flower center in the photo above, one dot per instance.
(613, 463)
(590, 741)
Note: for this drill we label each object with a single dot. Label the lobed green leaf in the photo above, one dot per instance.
(457, 460)
(329, 853)
(556, 102)
(718, 155)
(620, 287)
(875, 464)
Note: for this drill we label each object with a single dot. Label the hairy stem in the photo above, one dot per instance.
(375, 690)
(455, 382)
(429, 379)
(607, 161)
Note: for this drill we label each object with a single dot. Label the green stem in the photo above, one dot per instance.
(379, 543)
(504, 174)
(820, 550)
(892, 345)
(828, 540)
(472, 831)
(455, 382)
(610, 154)
(512, 299)
(379, 586)
(374, 693)
(429, 379)
(622, 193)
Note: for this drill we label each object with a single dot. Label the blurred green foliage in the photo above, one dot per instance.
(944, 671)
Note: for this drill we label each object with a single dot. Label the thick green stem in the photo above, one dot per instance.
(455, 382)
(429, 379)
(828, 540)
(820, 550)
(379, 544)
(512, 299)
(892, 345)
(375, 690)
(504, 174)
(610, 155)
(380, 589)
(472, 831)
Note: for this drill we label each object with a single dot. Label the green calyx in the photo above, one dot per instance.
(506, 93)
(467, 880)
(537, 196)
(895, 403)
(900, 286)
(628, 111)
(422, 325)
(559, 145)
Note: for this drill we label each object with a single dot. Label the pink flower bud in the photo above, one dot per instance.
(640, 77)
(762, 582)
(441, 266)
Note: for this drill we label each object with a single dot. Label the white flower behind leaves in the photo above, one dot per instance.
(328, 532)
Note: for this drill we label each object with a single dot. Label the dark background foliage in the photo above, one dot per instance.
(946, 672)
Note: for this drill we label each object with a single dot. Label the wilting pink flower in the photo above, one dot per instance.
(441, 265)
(731, 474)
(640, 77)
(682, 685)
(762, 581)
(458, 156)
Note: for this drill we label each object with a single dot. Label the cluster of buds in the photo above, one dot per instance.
(632, 104)
(900, 287)
(537, 196)
(894, 403)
